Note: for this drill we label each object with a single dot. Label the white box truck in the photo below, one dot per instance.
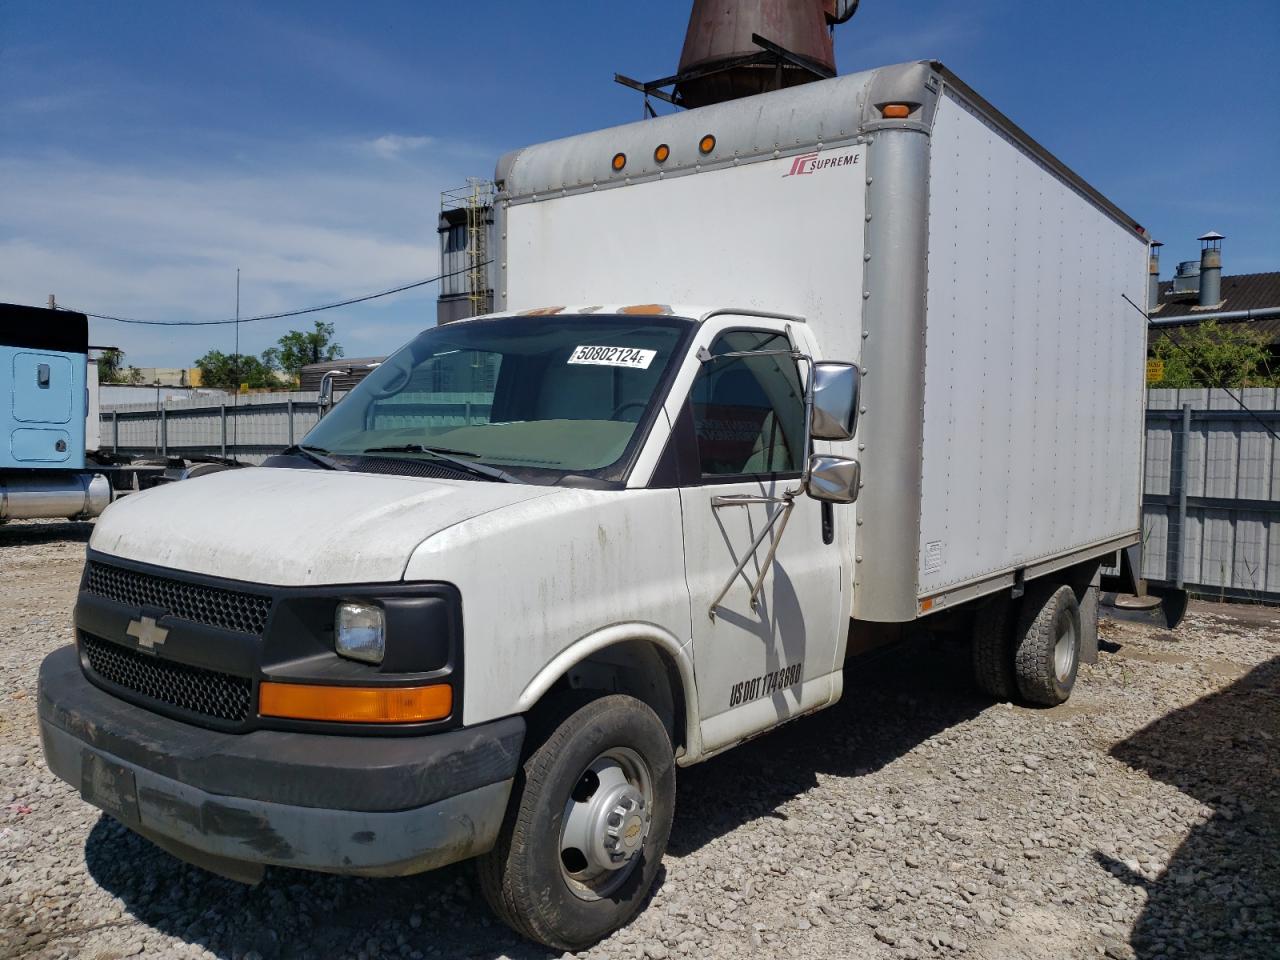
(538, 560)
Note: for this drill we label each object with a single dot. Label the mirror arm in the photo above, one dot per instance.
(790, 496)
(808, 425)
(325, 398)
(788, 504)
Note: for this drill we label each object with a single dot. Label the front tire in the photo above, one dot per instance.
(1048, 653)
(587, 826)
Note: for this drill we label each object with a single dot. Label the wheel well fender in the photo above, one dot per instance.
(639, 659)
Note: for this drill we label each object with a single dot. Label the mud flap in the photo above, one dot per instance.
(1163, 606)
(1173, 602)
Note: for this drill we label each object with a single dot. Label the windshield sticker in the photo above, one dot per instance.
(632, 357)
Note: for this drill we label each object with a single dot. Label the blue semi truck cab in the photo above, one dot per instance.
(44, 400)
(42, 378)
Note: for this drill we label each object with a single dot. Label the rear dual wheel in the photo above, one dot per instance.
(587, 826)
(1047, 657)
(1029, 650)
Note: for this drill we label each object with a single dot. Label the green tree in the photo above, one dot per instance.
(298, 348)
(109, 361)
(218, 369)
(1211, 355)
(111, 368)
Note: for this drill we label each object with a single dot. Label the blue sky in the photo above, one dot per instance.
(147, 149)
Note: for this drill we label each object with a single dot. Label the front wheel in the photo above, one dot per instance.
(587, 827)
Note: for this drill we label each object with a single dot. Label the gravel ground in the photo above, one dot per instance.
(1142, 819)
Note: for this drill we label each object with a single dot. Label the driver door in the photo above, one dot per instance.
(756, 664)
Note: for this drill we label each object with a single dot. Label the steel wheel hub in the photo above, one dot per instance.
(606, 821)
(1064, 653)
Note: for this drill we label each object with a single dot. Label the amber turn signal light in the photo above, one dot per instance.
(895, 111)
(305, 701)
(619, 161)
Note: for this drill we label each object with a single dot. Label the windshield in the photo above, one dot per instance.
(536, 397)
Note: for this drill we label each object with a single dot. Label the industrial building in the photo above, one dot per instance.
(1198, 292)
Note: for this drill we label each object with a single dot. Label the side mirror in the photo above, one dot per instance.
(835, 401)
(326, 391)
(833, 479)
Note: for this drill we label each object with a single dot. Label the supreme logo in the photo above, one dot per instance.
(808, 163)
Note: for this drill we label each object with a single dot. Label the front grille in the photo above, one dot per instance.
(214, 606)
(195, 689)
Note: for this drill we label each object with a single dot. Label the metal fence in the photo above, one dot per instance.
(248, 428)
(253, 427)
(1211, 505)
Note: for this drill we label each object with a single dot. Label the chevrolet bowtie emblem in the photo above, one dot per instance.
(149, 634)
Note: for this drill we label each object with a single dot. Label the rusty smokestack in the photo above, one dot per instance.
(721, 33)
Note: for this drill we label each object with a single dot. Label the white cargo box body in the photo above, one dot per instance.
(977, 280)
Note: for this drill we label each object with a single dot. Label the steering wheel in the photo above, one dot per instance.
(623, 406)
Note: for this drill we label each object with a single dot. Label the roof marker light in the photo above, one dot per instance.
(619, 161)
(661, 153)
(706, 144)
(895, 111)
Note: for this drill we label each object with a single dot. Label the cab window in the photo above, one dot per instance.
(748, 412)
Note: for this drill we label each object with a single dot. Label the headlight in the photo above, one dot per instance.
(360, 631)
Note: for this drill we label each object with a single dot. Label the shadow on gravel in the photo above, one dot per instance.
(1220, 896)
(297, 914)
(19, 534)
(889, 707)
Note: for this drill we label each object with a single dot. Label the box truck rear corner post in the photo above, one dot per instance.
(767, 383)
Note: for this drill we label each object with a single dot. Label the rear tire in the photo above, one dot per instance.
(1047, 657)
(993, 649)
(603, 778)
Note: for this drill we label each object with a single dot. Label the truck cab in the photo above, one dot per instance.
(45, 398)
(348, 659)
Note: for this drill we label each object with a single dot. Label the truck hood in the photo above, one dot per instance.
(289, 527)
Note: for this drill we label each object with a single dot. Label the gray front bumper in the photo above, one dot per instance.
(121, 758)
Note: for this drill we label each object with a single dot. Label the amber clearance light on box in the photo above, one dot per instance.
(302, 701)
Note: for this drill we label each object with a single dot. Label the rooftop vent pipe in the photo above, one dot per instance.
(1153, 276)
(1211, 269)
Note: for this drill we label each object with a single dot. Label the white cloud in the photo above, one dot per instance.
(393, 145)
(311, 226)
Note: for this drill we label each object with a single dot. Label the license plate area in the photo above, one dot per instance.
(110, 787)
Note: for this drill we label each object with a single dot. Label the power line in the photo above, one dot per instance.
(273, 316)
(1229, 392)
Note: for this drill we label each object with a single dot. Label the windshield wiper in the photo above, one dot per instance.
(445, 454)
(419, 448)
(317, 455)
